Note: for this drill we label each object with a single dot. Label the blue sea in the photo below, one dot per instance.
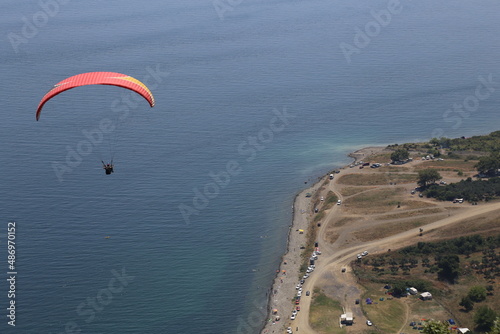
(253, 99)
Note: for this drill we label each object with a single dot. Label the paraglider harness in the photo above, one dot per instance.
(108, 167)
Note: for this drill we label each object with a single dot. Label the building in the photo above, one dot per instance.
(347, 318)
(426, 296)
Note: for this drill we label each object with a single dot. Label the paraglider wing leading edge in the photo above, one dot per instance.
(98, 78)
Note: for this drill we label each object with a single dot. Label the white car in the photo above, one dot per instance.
(369, 323)
(339, 202)
(292, 317)
(299, 294)
(365, 253)
(322, 198)
(294, 312)
(359, 256)
(289, 330)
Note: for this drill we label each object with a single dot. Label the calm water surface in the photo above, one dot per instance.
(218, 86)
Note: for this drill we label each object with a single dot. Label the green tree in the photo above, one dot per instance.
(436, 327)
(466, 303)
(398, 288)
(428, 176)
(477, 293)
(449, 266)
(489, 164)
(401, 154)
(484, 318)
(496, 327)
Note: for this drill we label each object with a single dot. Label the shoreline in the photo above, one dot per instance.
(283, 287)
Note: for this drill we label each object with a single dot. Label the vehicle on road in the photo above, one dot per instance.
(369, 323)
(308, 293)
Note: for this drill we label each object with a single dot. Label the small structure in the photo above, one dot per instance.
(412, 291)
(426, 296)
(347, 318)
(462, 330)
(301, 231)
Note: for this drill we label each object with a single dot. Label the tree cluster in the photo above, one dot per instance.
(486, 143)
(489, 165)
(468, 189)
(428, 176)
(460, 246)
(401, 154)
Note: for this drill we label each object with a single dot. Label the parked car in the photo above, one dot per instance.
(292, 317)
(369, 323)
(343, 270)
(339, 202)
(308, 293)
(357, 301)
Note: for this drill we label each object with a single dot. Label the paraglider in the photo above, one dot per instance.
(98, 78)
(108, 168)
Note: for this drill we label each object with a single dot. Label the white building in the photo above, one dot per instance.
(426, 296)
(347, 318)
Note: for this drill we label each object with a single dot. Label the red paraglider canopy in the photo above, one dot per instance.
(98, 78)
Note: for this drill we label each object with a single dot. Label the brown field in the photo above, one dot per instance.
(376, 179)
(392, 228)
(448, 165)
(349, 191)
(408, 214)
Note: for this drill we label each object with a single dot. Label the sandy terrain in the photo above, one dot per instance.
(348, 234)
